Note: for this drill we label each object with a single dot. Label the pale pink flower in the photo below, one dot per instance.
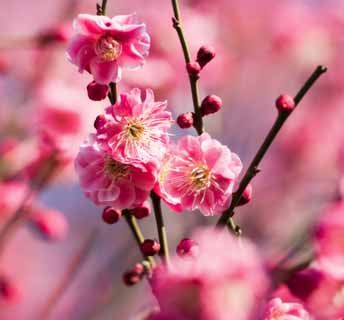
(103, 46)
(201, 174)
(276, 309)
(136, 129)
(108, 182)
(225, 280)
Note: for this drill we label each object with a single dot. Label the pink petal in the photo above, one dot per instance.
(105, 72)
(91, 25)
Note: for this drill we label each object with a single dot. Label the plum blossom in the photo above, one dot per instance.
(135, 129)
(103, 45)
(108, 182)
(279, 310)
(201, 174)
(225, 280)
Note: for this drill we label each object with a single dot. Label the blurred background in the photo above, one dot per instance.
(61, 261)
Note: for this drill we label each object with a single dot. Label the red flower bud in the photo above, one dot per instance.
(205, 54)
(246, 196)
(285, 103)
(187, 248)
(142, 212)
(100, 122)
(150, 247)
(211, 104)
(193, 68)
(110, 215)
(96, 91)
(131, 277)
(185, 120)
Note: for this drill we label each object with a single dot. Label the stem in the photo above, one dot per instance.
(253, 168)
(73, 268)
(104, 3)
(164, 252)
(198, 121)
(135, 229)
(113, 95)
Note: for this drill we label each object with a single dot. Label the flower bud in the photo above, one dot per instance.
(100, 122)
(211, 104)
(143, 211)
(246, 196)
(187, 248)
(8, 290)
(285, 103)
(131, 277)
(205, 54)
(52, 36)
(193, 68)
(96, 91)
(51, 224)
(110, 215)
(185, 120)
(150, 247)
(139, 268)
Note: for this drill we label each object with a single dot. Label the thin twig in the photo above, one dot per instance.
(253, 168)
(164, 251)
(198, 120)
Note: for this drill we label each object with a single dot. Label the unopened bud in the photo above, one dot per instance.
(185, 120)
(205, 54)
(187, 248)
(96, 91)
(285, 103)
(150, 247)
(246, 196)
(110, 215)
(193, 68)
(211, 104)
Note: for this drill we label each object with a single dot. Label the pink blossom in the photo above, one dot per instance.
(279, 310)
(226, 280)
(108, 182)
(103, 46)
(329, 240)
(14, 195)
(201, 174)
(50, 223)
(136, 129)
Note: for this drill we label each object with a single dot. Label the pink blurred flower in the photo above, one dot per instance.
(201, 174)
(108, 182)
(50, 223)
(136, 129)
(329, 240)
(14, 194)
(279, 310)
(103, 46)
(226, 280)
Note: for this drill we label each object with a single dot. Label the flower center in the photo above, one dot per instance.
(107, 48)
(134, 129)
(115, 169)
(200, 177)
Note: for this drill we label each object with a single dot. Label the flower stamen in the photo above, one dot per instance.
(107, 48)
(116, 170)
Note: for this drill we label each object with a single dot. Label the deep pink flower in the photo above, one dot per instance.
(136, 129)
(103, 46)
(108, 182)
(201, 174)
(279, 310)
(225, 280)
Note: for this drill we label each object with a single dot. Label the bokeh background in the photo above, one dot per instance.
(264, 48)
